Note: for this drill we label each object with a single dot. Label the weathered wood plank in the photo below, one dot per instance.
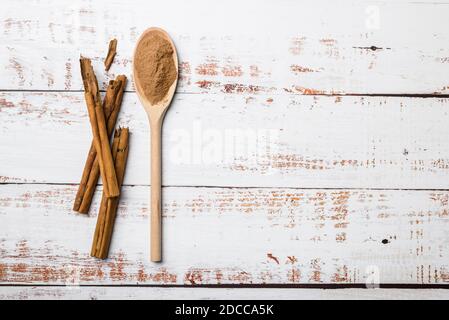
(230, 236)
(186, 293)
(271, 47)
(219, 140)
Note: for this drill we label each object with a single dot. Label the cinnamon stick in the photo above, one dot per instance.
(111, 54)
(99, 129)
(111, 107)
(108, 207)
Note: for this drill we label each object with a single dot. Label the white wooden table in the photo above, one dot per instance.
(307, 148)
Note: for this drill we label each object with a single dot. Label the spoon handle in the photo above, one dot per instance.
(156, 185)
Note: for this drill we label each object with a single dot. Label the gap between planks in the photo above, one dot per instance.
(399, 95)
(234, 187)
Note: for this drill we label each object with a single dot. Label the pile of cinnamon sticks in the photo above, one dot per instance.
(103, 159)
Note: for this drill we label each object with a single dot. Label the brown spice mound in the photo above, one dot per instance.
(155, 67)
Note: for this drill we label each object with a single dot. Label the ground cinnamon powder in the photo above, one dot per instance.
(155, 66)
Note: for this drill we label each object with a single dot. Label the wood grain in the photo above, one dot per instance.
(219, 140)
(303, 47)
(105, 293)
(350, 184)
(235, 236)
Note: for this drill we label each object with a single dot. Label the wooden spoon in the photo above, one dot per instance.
(156, 113)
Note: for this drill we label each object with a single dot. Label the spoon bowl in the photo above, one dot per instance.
(156, 112)
(165, 102)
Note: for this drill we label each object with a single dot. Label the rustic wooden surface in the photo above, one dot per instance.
(160, 293)
(350, 185)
